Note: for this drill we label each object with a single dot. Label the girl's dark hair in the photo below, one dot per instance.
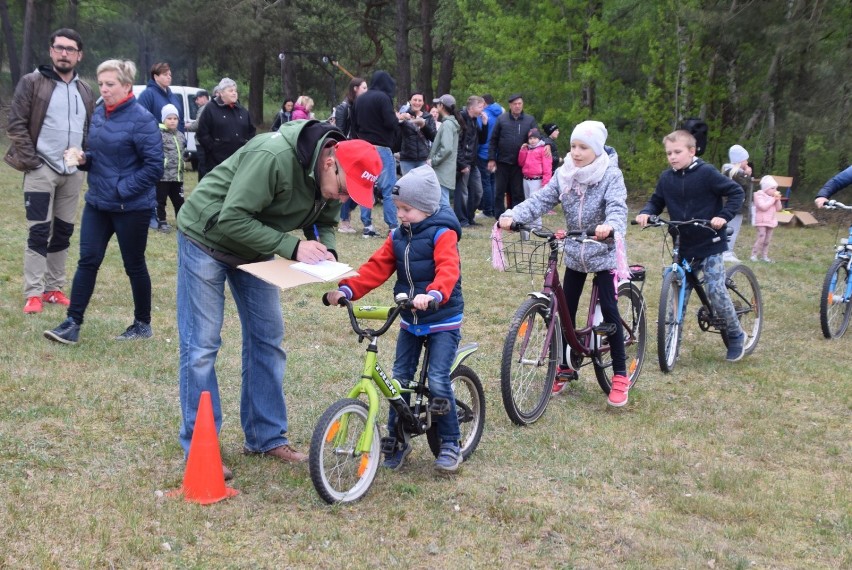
(354, 84)
(454, 112)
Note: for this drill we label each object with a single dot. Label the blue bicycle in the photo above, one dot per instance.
(835, 303)
(680, 277)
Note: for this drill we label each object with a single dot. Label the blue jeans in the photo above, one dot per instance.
(96, 230)
(487, 203)
(406, 165)
(385, 183)
(200, 315)
(345, 208)
(442, 352)
(445, 195)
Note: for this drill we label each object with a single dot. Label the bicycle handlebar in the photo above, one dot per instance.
(657, 221)
(403, 303)
(835, 205)
(577, 235)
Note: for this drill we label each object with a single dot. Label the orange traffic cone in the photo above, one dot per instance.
(203, 480)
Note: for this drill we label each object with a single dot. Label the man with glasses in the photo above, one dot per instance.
(49, 114)
(241, 212)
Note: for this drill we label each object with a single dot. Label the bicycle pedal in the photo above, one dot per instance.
(439, 406)
(388, 445)
(604, 329)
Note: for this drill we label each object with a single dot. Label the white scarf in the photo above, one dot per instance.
(571, 177)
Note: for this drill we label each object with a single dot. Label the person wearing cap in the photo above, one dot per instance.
(551, 133)
(170, 186)
(590, 187)
(423, 252)
(202, 97)
(738, 170)
(241, 212)
(767, 201)
(445, 148)
(508, 135)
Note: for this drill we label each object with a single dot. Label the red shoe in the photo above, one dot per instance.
(618, 392)
(563, 376)
(57, 297)
(33, 305)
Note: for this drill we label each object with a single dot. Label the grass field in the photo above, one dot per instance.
(715, 465)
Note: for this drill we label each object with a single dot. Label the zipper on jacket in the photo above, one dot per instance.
(410, 280)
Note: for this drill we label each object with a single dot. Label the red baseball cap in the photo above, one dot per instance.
(362, 165)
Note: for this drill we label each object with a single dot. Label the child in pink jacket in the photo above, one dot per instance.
(767, 201)
(536, 162)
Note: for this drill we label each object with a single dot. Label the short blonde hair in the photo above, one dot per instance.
(681, 135)
(125, 70)
(306, 102)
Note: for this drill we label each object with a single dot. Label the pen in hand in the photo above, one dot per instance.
(316, 232)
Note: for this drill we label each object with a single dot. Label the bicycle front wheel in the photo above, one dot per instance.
(631, 308)
(669, 327)
(529, 361)
(339, 472)
(748, 303)
(834, 305)
(470, 409)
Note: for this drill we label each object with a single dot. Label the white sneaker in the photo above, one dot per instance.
(730, 257)
(753, 258)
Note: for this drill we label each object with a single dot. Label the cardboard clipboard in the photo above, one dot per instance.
(279, 273)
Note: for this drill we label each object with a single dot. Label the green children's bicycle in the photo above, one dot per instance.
(346, 448)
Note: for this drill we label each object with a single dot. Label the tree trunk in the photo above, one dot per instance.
(795, 159)
(425, 82)
(27, 43)
(403, 52)
(72, 13)
(448, 60)
(14, 62)
(256, 76)
(192, 68)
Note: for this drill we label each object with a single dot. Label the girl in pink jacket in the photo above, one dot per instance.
(535, 161)
(767, 201)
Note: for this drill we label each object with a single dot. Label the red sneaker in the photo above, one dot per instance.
(563, 376)
(618, 392)
(33, 305)
(57, 297)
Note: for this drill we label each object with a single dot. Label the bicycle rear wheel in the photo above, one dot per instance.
(669, 328)
(631, 307)
(470, 408)
(529, 361)
(748, 303)
(834, 305)
(340, 473)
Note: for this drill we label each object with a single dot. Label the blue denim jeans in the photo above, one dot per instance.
(200, 315)
(406, 165)
(442, 352)
(487, 202)
(96, 230)
(445, 195)
(385, 183)
(346, 207)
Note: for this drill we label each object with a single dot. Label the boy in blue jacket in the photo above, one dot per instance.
(423, 252)
(693, 189)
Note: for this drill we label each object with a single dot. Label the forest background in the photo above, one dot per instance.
(772, 75)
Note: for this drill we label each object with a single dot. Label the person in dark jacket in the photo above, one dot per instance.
(225, 126)
(424, 254)
(693, 189)
(343, 121)
(487, 119)
(418, 132)
(468, 182)
(49, 114)
(284, 115)
(158, 93)
(508, 135)
(124, 159)
(375, 121)
(551, 133)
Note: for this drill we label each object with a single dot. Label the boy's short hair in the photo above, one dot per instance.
(680, 135)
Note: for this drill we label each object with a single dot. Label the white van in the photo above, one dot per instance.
(190, 113)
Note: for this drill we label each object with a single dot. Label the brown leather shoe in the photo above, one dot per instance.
(227, 473)
(283, 453)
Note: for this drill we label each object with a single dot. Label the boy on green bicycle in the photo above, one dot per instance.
(693, 189)
(423, 251)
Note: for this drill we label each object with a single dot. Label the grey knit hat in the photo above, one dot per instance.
(419, 189)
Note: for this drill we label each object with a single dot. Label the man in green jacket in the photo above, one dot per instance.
(242, 212)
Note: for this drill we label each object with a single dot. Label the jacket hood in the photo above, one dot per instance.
(311, 134)
(382, 81)
(50, 73)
